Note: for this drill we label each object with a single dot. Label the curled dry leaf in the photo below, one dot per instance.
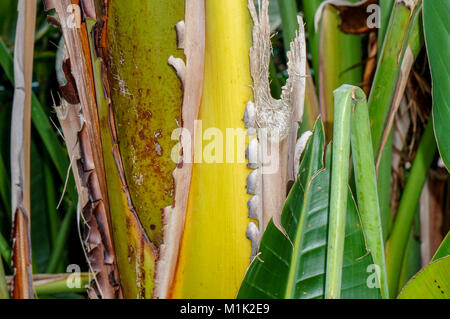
(407, 63)
(354, 17)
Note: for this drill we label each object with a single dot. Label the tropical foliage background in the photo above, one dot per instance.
(399, 61)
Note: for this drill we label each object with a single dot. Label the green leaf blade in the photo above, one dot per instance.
(432, 282)
(437, 35)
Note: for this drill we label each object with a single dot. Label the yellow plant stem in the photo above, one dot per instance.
(214, 250)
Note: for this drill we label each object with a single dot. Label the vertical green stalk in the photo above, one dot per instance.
(338, 192)
(339, 57)
(391, 48)
(366, 184)
(408, 204)
(288, 12)
(390, 61)
(310, 8)
(384, 186)
(385, 167)
(386, 10)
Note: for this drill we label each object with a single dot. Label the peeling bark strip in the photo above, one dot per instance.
(83, 128)
(191, 37)
(20, 150)
(273, 124)
(96, 241)
(67, 85)
(407, 63)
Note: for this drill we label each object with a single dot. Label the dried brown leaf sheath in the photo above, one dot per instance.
(91, 208)
(89, 165)
(20, 150)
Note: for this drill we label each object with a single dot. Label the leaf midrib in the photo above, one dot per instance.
(291, 284)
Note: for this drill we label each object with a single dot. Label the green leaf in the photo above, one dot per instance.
(339, 62)
(386, 9)
(400, 29)
(343, 101)
(352, 124)
(309, 11)
(42, 124)
(41, 244)
(8, 17)
(432, 282)
(366, 183)
(437, 29)
(295, 267)
(444, 248)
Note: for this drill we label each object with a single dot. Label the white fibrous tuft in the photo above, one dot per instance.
(276, 120)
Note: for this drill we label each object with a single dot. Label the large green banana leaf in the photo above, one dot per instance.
(437, 38)
(294, 266)
(432, 282)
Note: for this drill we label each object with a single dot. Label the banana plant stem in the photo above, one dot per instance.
(62, 286)
(310, 8)
(288, 12)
